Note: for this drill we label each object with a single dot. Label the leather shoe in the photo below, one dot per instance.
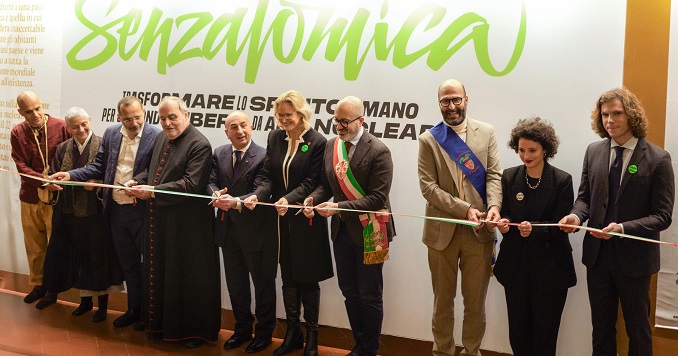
(139, 326)
(99, 315)
(257, 345)
(356, 351)
(236, 340)
(130, 317)
(49, 299)
(37, 293)
(194, 343)
(83, 308)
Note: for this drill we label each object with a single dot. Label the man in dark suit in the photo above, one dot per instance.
(359, 256)
(235, 168)
(125, 151)
(626, 187)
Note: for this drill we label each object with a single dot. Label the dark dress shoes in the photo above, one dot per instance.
(37, 293)
(258, 345)
(130, 317)
(49, 299)
(194, 343)
(83, 308)
(139, 326)
(236, 340)
(356, 351)
(99, 315)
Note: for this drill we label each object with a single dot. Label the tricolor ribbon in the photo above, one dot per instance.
(470, 223)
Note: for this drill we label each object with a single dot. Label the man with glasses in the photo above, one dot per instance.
(460, 178)
(34, 143)
(125, 151)
(357, 173)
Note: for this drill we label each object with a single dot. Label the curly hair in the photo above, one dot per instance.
(635, 114)
(299, 104)
(537, 130)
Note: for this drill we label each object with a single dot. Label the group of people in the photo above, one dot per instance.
(627, 186)
(166, 239)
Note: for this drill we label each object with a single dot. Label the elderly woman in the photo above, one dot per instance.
(80, 253)
(292, 169)
(535, 263)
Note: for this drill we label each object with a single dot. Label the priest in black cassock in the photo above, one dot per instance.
(182, 299)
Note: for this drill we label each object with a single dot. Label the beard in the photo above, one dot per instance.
(454, 116)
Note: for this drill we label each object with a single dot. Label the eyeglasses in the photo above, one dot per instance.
(343, 123)
(455, 100)
(282, 116)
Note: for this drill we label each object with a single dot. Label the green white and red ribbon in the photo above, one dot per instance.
(470, 223)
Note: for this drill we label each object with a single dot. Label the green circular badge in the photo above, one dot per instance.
(304, 148)
(633, 169)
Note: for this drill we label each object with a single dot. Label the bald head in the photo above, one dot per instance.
(352, 105)
(30, 107)
(451, 83)
(348, 117)
(238, 129)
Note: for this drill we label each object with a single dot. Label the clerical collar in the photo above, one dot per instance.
(81, 148)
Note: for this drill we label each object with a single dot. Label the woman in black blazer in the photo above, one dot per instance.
(535, 264)
(294, 159)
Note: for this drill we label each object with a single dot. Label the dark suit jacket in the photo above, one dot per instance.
(309, 244)
(104, 165)
(548, 248)
(372, 167)
(645, 204)
(241, 184)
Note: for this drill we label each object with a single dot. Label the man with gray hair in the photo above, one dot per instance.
(34, 142)
(357, 174)
(182, 294)
(125, 150)
(80, 252)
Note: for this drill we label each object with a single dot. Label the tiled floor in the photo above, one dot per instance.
(25, 330)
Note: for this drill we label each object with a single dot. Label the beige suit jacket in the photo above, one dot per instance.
(439, 185)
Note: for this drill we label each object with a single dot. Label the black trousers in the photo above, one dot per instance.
(126, 222)
(534, 318)
(362, 286)
(239, 265)
(608, 286)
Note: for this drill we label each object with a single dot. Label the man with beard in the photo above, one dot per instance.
(357, 174)
(125, 151)
(460, 178)
(182, 300)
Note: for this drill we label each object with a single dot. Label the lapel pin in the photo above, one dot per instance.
(633, 169)
(304, 148)
(520, 196)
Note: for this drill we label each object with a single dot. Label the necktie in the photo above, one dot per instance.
(616, 172)
(238, 156)
(348, 148)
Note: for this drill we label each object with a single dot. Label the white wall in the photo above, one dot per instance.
(563, 68)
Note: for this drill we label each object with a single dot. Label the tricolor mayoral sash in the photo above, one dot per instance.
(462, 155)
(375, 239)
